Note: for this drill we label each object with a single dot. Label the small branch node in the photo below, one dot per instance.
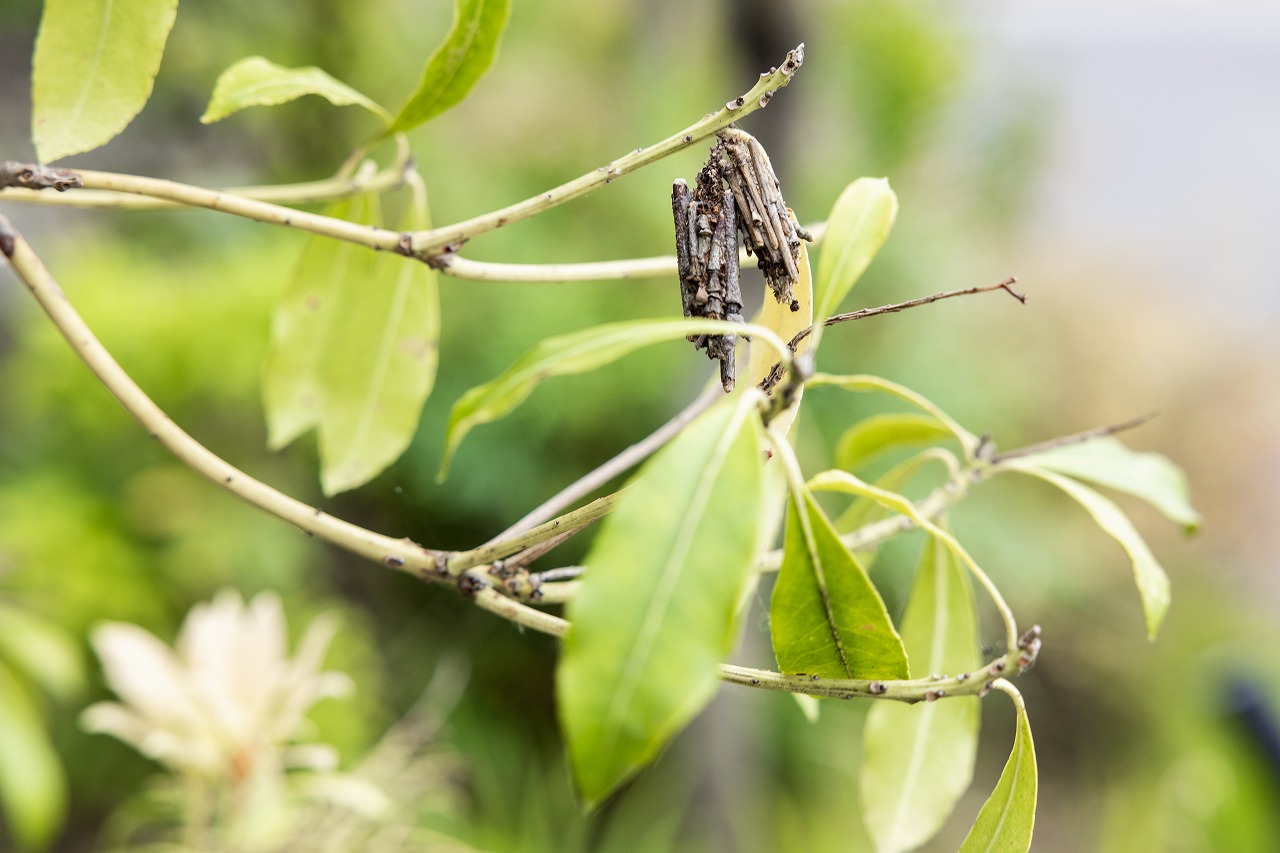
(31, 176)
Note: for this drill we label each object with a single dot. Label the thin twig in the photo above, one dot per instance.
(429, 242)
(460, 561)
(1074, 438)
(394, 553)
(627, 459)
(309, 192)
(620, 270)
(775, 374)
(1006, 285)
(437, 243)
(564, 573)
(909, 690)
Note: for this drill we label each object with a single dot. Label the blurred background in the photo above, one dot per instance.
(1118, 160)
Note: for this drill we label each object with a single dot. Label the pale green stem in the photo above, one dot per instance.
(394, 553)
(620, 270)
(459, 561)
(431, 242)
(910, 690)
(309, 192)
(624, 461)
(427, 242)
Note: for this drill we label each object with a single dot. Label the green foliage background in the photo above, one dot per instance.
(1135, 741)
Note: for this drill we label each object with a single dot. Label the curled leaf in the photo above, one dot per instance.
(1153, 583)
(1107, 462)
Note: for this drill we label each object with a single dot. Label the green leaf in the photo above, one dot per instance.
(826, 617)
(94, 65)
(38, 649)
(865, 510)
(462, 59)
(857, 227)
(918, 759)
(863, 383)
(32, 788)
(1153, 583)
(1008, 817)
(1107, 462)
(576, 352)
(658, 610)
(302, 323)
(258, 82)
(353, 351)
(879, 434)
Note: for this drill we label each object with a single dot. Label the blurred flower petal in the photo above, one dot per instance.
(230, 700)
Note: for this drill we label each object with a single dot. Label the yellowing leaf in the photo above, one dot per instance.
(1153, 583)
(917, 760)
(1008, 817)
(257, 82)
(95, 62)
(464, 56)
(787, 324)
(826, 618)
(657, 611)
(857, 227)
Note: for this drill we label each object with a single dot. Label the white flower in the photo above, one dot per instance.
(227, 699)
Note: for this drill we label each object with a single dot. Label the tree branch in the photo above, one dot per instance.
(398, 554)
(625, 460)
(775, 374)
(436, 244)
(1074, 438)
(309, 192)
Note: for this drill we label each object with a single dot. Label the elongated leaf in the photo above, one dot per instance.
(94, 65)
(863, 383)
(32, 788)
(1153, 583)
(464, 56)
(918, 760)
(38, 649)
(1107, 462)
(857, 227)
(826, 617)
(353, 352)
(879, 434)
(1007, 819)
(258, 82)
(303, 322)
(577, 352)
(657, 611)
(379, 368)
